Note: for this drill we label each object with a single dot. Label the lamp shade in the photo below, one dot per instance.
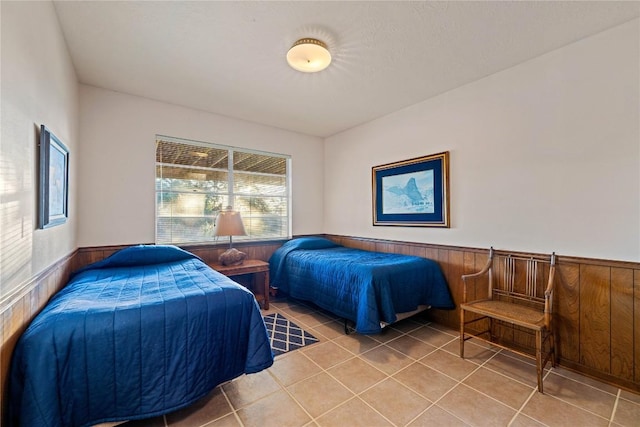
(309, 56)
(229, 223)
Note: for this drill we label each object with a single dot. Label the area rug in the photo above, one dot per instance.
(285, 335)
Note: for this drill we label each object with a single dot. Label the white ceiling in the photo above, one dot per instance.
(229, 57)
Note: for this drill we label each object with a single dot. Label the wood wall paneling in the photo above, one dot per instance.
(622, 323)
(454, 260)
(636, 326)
(15, 317)
(567, 311)
(595, 322)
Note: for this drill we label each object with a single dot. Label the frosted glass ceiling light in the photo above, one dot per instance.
(309, 56)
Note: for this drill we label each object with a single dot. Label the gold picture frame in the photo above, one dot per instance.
(413, 193)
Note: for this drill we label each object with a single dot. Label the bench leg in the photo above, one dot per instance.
(462, 333)
(552, 338)
(539, 359)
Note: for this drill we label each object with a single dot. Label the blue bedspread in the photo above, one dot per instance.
(146, 331)
(363, 286)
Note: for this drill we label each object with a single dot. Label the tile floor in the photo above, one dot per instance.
(410, 375)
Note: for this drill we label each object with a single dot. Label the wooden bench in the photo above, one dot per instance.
(516, 290)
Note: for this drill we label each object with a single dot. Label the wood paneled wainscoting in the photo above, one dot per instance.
(596, 307)
(17, 312)
(208, 253)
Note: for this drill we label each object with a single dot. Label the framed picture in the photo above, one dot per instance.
(54, 180)
(412, 192)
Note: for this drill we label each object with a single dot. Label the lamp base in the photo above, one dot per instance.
(232, 257)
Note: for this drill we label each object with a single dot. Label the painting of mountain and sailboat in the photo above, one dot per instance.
(412, 192)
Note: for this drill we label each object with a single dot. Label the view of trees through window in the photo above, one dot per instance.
(195, 180)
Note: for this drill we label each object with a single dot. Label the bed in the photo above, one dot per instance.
(146, 331)
(371, 289)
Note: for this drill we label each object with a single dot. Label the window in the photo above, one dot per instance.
(195, 180)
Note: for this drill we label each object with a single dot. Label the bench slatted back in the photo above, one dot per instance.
(520, 279)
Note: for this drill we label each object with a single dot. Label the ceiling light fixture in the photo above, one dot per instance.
(309, 55)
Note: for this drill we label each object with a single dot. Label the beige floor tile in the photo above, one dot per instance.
(475, 408)
(432, 336)
(411, 346)
(357, 375)
(580, 394)
(329, 330)
(313, 319)
(482, 343)
(447, 330)
(472, 352)
(633, 397)
(354, 413)
(514, 368)
(277, 409)
(356, 343)
(293, 367)
(210, 407)
(386, 335)
(436, 416)
(319, 394)
(406, 325)
(293, 307)
(627, 413)
(525, 359)
(425, 381)
(387, 359)
(522, 420)
(504, 389)
(249, 388)
(395, 401)
(329, 380)
(554, 412)
(227, 421)
(327, 354)
(586, 380)
(449, 364)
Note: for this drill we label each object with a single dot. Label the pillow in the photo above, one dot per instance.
(141, 255)
(310, 243)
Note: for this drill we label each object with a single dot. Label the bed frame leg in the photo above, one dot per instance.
(347, 328)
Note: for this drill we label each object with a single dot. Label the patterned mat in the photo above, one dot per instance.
(285, 335)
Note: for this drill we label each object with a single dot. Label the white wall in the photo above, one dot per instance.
(38, 86)
(544, 156)
(117, 173)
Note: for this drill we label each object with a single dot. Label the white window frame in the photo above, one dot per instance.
(231, 194)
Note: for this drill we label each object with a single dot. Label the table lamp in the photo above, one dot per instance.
(229, 223)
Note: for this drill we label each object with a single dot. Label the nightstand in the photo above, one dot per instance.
(253, 274)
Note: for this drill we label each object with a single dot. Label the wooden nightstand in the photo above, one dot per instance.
(253, 274)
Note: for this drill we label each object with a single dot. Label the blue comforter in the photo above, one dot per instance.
(363, 286)
(146, 331)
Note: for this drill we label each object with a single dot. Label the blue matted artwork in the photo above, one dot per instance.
(412, 192)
